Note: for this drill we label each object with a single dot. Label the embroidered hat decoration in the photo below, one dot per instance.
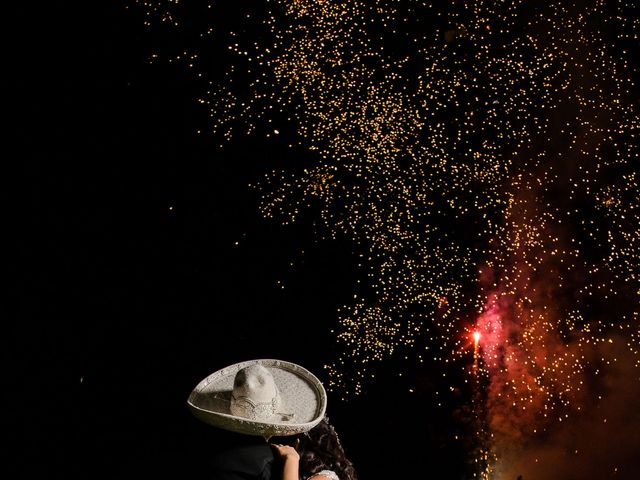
(265, 397)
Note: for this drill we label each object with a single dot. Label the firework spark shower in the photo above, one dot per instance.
(483, 159)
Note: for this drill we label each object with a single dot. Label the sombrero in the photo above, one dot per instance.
(265, 397)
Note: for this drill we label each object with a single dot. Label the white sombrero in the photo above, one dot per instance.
(263, 397)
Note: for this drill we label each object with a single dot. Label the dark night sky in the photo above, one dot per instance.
(127, 284)
(140, 262)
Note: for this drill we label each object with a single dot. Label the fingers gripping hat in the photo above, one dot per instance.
(264, 397)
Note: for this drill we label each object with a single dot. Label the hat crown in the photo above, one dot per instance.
(255, 395)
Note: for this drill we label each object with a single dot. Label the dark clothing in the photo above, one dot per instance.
(218, 454)
(243, 463)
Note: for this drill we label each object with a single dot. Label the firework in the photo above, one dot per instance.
(482, 158)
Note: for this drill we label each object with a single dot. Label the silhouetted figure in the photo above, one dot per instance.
(218, 454)
(247, 403)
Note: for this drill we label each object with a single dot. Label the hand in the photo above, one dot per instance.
(286, 451)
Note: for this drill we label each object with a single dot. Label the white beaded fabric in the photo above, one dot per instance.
(302, 403)
(330, 474)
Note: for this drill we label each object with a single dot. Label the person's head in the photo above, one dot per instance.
(320, 449)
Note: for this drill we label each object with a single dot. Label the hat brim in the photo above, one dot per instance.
(302, 394)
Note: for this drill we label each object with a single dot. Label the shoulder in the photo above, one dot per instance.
(248, 459)
(324, 475)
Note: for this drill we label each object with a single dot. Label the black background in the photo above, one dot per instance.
(139, 263)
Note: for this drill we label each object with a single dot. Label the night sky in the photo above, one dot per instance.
(355, 189)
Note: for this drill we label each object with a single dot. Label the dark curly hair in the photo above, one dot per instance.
(320, 449)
